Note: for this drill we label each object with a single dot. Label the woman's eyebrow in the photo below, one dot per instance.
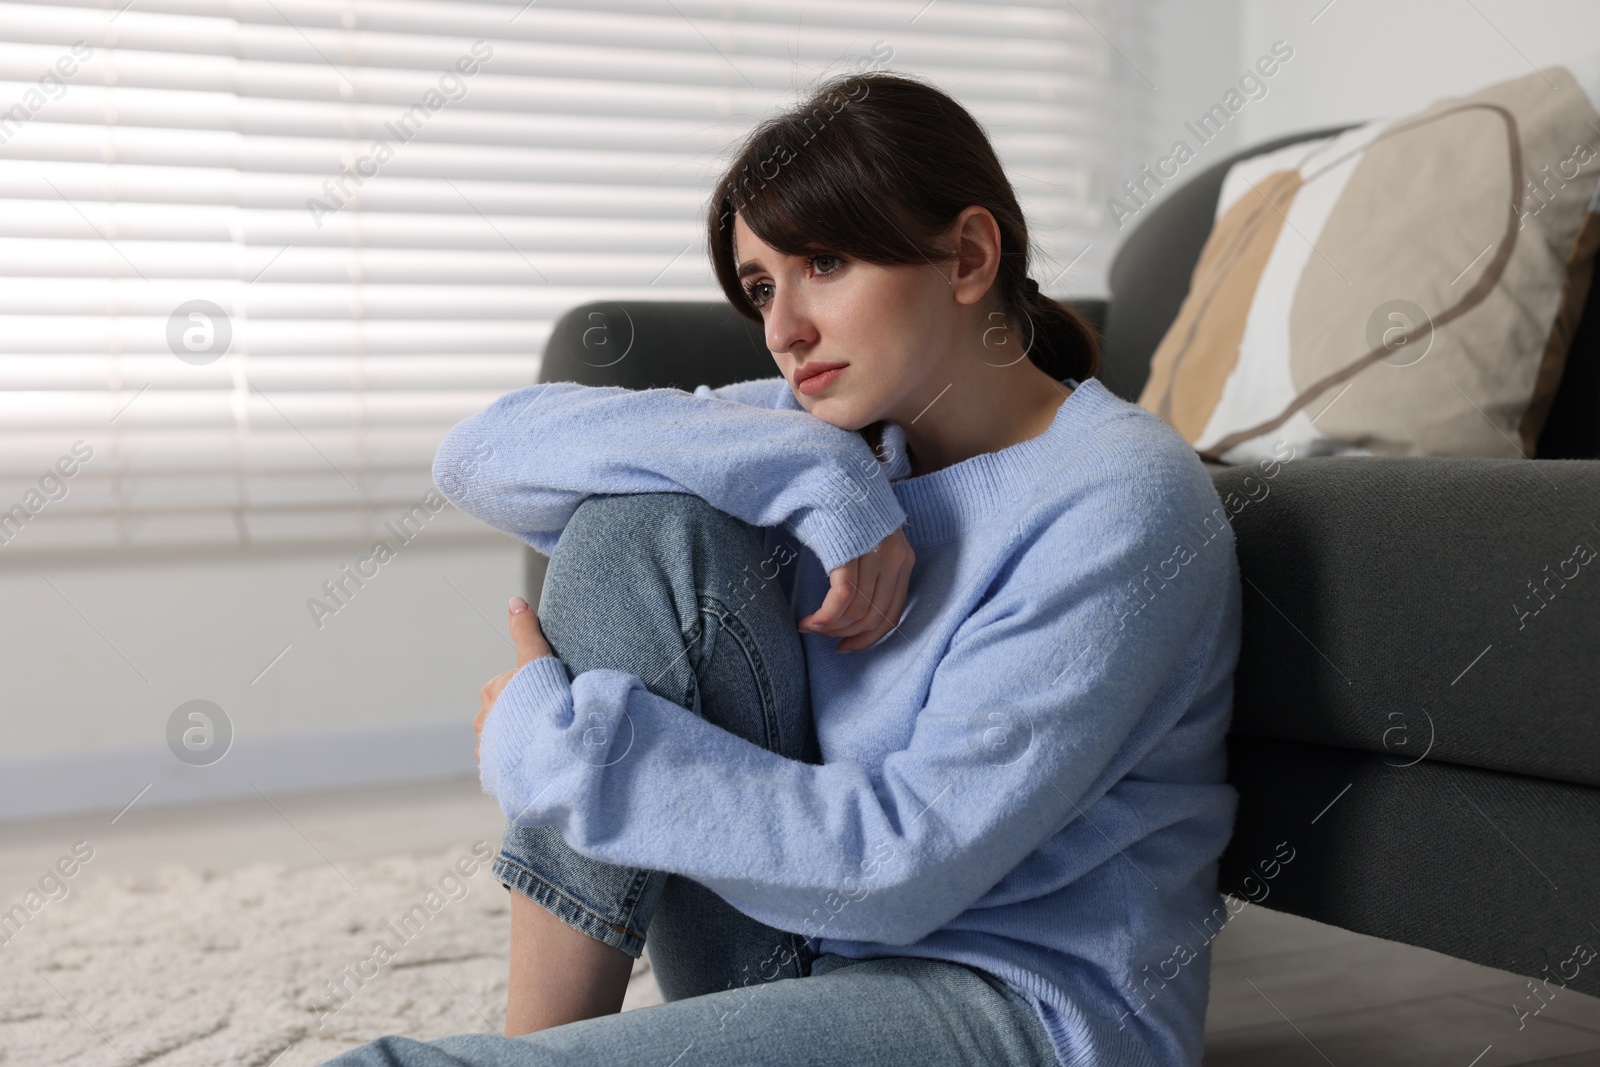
(754, 266)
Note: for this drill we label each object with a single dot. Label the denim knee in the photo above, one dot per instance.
(660, 522)
(633, 574)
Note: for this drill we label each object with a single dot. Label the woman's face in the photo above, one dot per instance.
(890, 326)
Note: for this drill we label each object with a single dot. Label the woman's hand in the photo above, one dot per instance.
(866, 596)
(531, 645)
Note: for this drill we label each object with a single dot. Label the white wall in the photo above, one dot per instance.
(95, 658)
(1166, 56)
(1365, 59)
(1199, 54)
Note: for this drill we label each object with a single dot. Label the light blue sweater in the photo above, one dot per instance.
(1026, 775)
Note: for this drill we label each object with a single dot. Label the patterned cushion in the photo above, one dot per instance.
(1408, 287)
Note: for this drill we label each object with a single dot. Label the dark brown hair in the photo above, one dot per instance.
(877, 165)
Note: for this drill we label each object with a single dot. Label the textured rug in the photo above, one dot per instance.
(264, 966)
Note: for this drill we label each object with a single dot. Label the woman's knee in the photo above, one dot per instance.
(644, 522)
(669, 587)
(626, 550)
(630, 573)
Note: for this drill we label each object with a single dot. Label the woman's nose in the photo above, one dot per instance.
(788, 326)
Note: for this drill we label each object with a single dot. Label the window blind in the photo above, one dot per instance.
(258, 257)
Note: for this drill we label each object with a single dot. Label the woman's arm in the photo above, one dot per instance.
(1046, 696)
(527, 461)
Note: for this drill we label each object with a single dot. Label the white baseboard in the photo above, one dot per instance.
(33, 787)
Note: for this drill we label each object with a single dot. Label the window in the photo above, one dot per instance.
(259, 257)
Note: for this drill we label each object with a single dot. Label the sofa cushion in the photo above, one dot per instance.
(1421, 609)
(1370, 293)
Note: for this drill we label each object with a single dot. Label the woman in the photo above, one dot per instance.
(966, 811)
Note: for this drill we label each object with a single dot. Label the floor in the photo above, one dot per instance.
(1285, 991)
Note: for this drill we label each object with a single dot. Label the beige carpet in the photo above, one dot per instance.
(191, 967)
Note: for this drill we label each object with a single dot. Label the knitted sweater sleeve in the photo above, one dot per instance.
(525, 463)
(1045, 697)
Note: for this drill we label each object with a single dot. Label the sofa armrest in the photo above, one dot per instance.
(1438, 607)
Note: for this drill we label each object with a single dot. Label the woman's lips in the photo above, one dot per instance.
(818, 382)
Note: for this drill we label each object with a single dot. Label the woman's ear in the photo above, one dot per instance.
(977, 261)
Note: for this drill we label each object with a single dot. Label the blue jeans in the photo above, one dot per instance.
(689, 599)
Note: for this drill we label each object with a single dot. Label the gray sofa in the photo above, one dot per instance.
(1417, 755)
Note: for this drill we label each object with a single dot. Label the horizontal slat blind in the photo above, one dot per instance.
(174, 155)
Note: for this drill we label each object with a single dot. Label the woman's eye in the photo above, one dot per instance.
(750, 291)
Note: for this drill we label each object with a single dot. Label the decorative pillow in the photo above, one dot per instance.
(1408, 287)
